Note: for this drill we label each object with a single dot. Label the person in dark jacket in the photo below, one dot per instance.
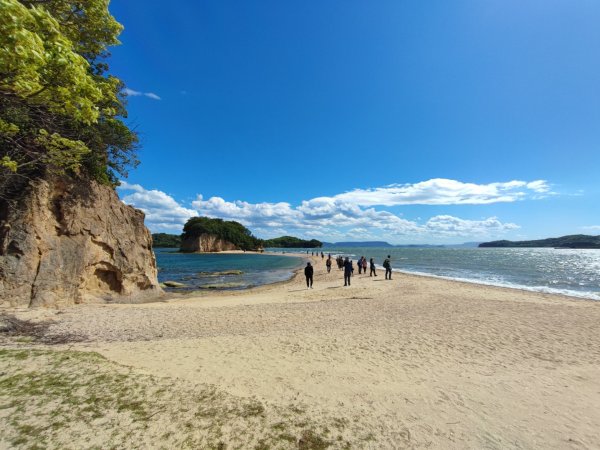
(308, 273)
(348, 269)
(387, 263)
(372, 263)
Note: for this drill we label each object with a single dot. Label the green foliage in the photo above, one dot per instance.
(59, 111)
(572, 241)
(291, 242)
(39, 62)
(65, 153)
(230, 231)
(166, 240)
(8, 164)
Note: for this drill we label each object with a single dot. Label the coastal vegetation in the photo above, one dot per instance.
(226, 230)
(64, 146)
(61, 112)
(230, 231)
(291, 242)
(571, 241)
(166, 240)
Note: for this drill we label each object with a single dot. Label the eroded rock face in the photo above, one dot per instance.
(206, 243)
(74, 241)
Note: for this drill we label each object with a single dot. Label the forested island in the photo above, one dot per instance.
(571, 241)
(226, 232)
(166, 240)
(291, 242)
(203, 234)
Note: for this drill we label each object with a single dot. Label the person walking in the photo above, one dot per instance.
(328, 264)
(387, 264)
(372, 263)
(359, 264)
(348, 269)
(364, 264)
(308, 273)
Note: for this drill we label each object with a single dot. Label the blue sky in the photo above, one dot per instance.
(406, 121)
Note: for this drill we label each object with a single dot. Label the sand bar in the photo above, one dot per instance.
(415, 362)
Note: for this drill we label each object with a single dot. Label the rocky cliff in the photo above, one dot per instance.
(205, 243)
(73, 241)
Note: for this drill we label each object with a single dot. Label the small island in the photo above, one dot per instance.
(291, 242)
(165, 240)
(203, 234)
(572, 241)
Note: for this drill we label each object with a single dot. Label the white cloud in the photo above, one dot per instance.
(125, 186)
(162, 211)
(444, 225)
(258, 214)
(133, 93)
(592, 227)
(539, 186)
(152, 95)
(441, 191)
(339, 217)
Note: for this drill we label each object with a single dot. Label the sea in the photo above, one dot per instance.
(223, 271)
(573, 272)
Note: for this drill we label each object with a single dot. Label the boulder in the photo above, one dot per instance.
(221, 273)
(174, 284)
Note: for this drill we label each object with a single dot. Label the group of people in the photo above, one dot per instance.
(346, 265)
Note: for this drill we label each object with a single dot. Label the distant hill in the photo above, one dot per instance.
(419, 246)
(359, 244)
(291, 242)
(571, 241)
(388, 245)
(166, 240)
(464, 245)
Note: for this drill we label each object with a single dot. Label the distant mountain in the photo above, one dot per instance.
(358, 244)
(464, 245)
(571, 241)
(388, 245)
(419, 246)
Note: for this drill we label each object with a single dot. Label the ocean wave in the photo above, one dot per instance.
(504, 284)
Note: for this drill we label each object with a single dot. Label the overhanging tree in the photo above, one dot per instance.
(60, 110)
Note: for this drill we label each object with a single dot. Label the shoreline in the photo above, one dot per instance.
(335, 280)
(412, 362)
(539, 290)
(574, 295)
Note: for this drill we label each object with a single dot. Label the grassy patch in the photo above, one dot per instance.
(313, 441)
(65, 399)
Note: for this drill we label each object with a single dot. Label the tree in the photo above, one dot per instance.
(291, 242)
(60, 112)
(166, 240)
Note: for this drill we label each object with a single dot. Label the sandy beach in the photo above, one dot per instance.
(414, 362)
